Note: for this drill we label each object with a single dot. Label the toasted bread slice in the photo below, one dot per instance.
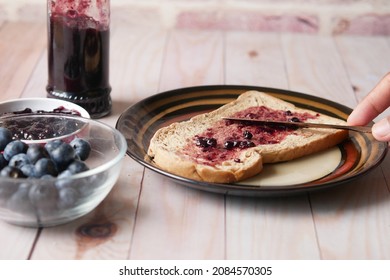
(210, 149)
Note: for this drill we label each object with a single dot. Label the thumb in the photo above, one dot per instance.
(381, 130)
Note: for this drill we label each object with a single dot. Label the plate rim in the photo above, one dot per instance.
(237, 188)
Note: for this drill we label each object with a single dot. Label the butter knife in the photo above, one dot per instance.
(364, 129)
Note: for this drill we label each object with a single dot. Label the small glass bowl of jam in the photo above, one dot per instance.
(41, 105)
(32, 129)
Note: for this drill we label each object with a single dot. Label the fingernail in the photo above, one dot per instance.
(381, 129)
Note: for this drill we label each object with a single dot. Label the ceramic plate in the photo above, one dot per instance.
(356, 156)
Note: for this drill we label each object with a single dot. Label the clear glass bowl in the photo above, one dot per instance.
(38, 202)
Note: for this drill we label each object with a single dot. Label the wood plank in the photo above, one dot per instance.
(258, 60)
(136, 61)
(175, 222)
(135, 66)
(314, 67)
(366, 60)
(255, 60)
(21, 46)
(17, 59)
(352, 221)
(106, 233)
(348, 219)
(16, 242)
(36, 85)
(270, 228)
(372, 64)
(192, 59)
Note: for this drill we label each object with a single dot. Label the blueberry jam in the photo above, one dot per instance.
(227, 139)
(58, 110)
(35, 128)
(78, 62)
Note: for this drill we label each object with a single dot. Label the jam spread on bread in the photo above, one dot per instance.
(226, 139)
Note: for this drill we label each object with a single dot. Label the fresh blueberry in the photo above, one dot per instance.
(82, 148)
(3, 161)
(64, 182)
(77, 166)
(5, 137)
(65, 174)
(63, 155)
(28, 170)
(19, 160)
(51, 145)
(85, 186)
(11, 172)
(6, 190)
(67, 197)
(47, 177)
(13, 148)
(36, 152)
(45, 166)
(43, 196)
(19, 202)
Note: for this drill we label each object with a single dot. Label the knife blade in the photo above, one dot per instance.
(364, 129)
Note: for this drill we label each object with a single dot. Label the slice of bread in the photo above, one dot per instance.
(207, 148)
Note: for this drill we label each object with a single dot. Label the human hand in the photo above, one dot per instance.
(371, 106)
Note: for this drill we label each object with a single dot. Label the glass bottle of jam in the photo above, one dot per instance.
(78, 53)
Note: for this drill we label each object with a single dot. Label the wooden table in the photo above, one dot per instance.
(147, 216)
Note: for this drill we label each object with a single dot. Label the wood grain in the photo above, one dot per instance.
(21, 46)
(263, 228)
(314, 66)
(192, 59)
(175, 222)
(373, 63)
(16, 242)
(255, 60)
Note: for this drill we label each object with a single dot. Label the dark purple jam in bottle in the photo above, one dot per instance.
(78, 55)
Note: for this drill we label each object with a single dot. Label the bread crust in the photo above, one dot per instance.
(166, 146)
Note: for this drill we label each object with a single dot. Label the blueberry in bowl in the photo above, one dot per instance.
(57, 179)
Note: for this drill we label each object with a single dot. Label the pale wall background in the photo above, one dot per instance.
(333, 17)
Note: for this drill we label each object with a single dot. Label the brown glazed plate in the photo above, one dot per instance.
(358, 155)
